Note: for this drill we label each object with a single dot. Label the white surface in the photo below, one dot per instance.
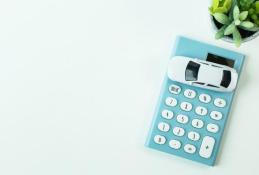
(80, 80)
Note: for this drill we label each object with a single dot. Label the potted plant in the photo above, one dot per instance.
(235, 20)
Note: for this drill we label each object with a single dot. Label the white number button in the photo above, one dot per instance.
(178, 131)
(159, 139)
(212, 128)
(216, 115)
(170, 101)
(182, 118)
(207, 147)
(186, 106)
(189, 93)
(201, 110)
(189, 148)
(162, 126)
(196, 123)
(174, 89)
(167, 114)
(205, 98)
(175, 144)
(193, 136)
(219, 102)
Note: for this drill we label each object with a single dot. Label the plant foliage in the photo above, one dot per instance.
(232, 23)
(220, 6)
(235, 15)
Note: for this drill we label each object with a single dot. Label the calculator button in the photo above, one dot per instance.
(175, 144)
(205, 98)
(182, 118)
(170, 101)
(159, 139)
(178, 131)
(212, 128)
(167, 114)
(162, 126)
(219, 102)
(201, 110)
(193, 136)
(216, 115)
(186, 106)
(189, 93)
(189, 148)
(174, 89)
(207, 147)
(196, 123)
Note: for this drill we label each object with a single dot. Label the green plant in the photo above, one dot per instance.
(245, 4)
(252, 7)
(220, 6)
(232, 23)
(254, 12)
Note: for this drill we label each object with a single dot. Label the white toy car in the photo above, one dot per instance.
(202, 73)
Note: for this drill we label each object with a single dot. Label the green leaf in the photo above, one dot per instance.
(253, 29)
(237, 38)
(220, 6)
(221, 18)
(243, 15)
(227, 4)
(236, 12)
(220, 10)
(251, 11)
(247, 24)
(254, 17)
(220, 32)
(237, 22)
(215, 4)
(257, 6)
(230, 29)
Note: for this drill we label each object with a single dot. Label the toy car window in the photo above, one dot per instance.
(191, 72)
(204, 63)
(199, 83)
(212, 85)
(226, 79)
(216, 66)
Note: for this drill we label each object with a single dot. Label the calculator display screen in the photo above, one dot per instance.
(220, 60)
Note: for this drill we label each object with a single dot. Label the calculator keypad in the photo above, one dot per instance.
(197, 122)
(207, 146)
(159, 139)
(162, 126)
(205, 98)
(175, 144)
(178, 131)
(170, 101)
(167, 114)
(189, 93)
(201, 110)
(182, 119)
(220, 102)
(186, 106)
(193, 136)
(212, 128)
(174, 89)
(189, 148)
(216, 115)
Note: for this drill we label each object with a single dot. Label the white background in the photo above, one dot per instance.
(79, 81)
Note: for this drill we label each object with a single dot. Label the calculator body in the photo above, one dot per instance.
(189, 121)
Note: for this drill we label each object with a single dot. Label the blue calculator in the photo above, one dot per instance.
(189, 121)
